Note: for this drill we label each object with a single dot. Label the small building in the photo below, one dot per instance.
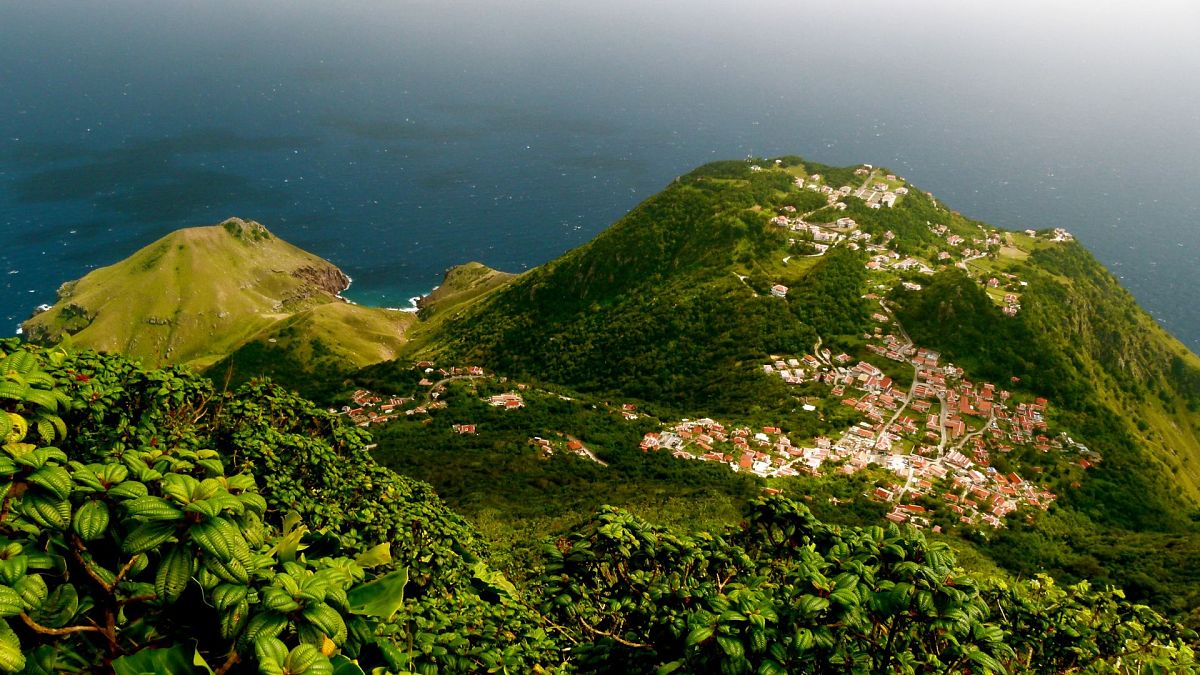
(779, 290)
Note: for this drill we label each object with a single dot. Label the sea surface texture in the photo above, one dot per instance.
(397, 138)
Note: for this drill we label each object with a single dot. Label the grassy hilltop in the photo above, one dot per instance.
(200, 293)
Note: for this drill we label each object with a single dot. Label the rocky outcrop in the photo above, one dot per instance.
(326, 278)
(246, 230)
(73, 318)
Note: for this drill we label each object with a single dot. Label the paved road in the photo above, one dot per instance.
(437, 386)
(912, 390)
(980, 430)
(585, 452)
(942, 424)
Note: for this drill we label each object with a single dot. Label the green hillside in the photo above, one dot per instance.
(311, 351)
(192, 295)
(461, 285)
(674, 306)
(651, 308)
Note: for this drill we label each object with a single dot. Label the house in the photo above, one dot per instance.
(507, 401)
(463, 428)
(779, 290)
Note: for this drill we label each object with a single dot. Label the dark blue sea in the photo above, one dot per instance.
(397, 138)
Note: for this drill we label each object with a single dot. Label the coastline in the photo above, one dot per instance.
(381, 300)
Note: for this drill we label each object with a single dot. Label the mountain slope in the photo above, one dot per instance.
(193, 295)
(652, 308)
(674, 304)
(311, 351)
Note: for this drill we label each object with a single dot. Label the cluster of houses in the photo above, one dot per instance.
(370, 408)
(884, 258)
(1058, 234)
(367, 408)
(875, 193)
(937, 435)
(767, 452)
(821, 236)
(1011, 285)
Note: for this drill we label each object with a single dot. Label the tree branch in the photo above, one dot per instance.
(44, 630)
(125, 570)
(595, 631)
(77, 550)
(138, 598)
(229, 663)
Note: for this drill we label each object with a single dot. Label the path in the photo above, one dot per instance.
(743, 280)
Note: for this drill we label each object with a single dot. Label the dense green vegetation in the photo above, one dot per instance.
(672, 306)
(830, 296)
(140, 538)
(149, 525)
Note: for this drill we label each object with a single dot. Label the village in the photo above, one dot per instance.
(367, 407)
(938, 432)
(879, 190)
(938, 435)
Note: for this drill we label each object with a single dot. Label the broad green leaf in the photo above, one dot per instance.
(699, 634)
(11, 657)
(493, 578)
(382, 597)
(666, 668)
(177, 660)
(376, 556)
(344, 666)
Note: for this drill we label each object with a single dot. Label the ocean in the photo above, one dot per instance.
(399, 138)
